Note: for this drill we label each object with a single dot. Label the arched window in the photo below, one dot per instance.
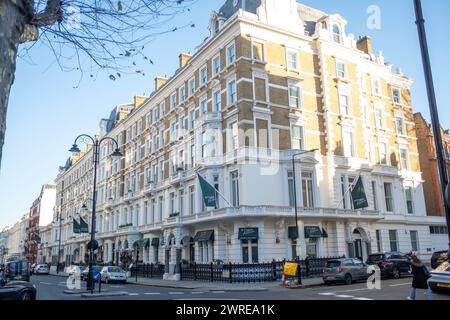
(324, 25)
(336, 34)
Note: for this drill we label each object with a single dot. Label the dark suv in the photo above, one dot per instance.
(392, 264)
(438, 258)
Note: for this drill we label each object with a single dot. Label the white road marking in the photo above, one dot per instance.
(400, 284)
(152, 293)
(363, 299)
(117, 287)
(176, 292)
(133, 294)
(47, 283)
(352, 290)
(327, 294)
(344, 296)
(218, 291)
(197, 292)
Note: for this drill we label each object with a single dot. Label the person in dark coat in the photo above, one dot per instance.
(420, 278)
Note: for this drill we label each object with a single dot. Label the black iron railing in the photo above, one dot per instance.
(249, 272)
(148, 270)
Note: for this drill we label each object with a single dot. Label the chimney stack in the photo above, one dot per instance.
(365, 44)
(184, 58)
(159, 82)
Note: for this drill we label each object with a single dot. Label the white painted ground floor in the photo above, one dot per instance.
(245, 237)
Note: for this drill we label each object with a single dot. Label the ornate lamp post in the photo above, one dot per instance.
(92, 246)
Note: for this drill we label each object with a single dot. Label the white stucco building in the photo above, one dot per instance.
(273, 78)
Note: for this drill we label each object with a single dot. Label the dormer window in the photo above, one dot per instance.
(336, 34)
(216, 26)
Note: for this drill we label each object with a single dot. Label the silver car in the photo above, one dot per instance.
(41, 269)
(345, 270)
(113, 274)
(440, 278)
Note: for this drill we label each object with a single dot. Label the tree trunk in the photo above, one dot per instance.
(13, 18)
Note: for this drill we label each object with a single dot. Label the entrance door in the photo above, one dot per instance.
(358, 249)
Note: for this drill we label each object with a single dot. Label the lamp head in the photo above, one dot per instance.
(117, 153)
(75, 150)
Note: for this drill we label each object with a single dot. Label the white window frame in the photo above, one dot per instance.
(229, 94)
(352, 147)
(403, 127)
(344, 64)
(297, 64)
(405, 166)
(192, 87)
(231, 58)
(299, 95)
(380, 90)
(203, 80)
(399, 102)
(217, 103)
(382, 143)
(216, 71)
(302, 136)
(182, 93)
(173, 100)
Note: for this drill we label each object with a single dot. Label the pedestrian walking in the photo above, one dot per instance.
(420, 278)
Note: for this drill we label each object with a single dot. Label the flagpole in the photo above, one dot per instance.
(348, 191)
(220, 194)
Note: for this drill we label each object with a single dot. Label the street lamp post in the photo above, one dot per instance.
(59, 237)
(295, 185)
(96, 159)
(420, 21)
(295, 198)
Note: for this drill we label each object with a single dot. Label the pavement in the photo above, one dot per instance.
(211, 286)
(53, 288)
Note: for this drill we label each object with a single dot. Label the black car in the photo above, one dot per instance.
(392, 264)
(438, 258)
(17, 290)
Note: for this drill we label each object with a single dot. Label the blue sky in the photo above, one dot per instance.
(46, 113)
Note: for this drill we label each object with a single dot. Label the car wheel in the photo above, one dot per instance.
(25, 296)
(327, 283)
(348, 279)
(396, 273)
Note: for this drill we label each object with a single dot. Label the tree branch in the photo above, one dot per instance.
(50, 15)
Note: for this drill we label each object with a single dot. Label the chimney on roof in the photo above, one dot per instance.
(139, 100)
(159, 82)
(365, 44)
(184, 58)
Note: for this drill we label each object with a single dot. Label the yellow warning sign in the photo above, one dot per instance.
(290, 269)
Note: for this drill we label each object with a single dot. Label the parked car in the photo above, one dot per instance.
(113, 274)
(392, 264)
(41, 269)
(17, 270)
(344, 270)
(440, 278)
(96, 270)
(16, 290)
(74, 269)
(438, 258)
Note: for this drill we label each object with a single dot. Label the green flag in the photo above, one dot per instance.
(84, 228)
(208, 191)
(76, 226)
(359, 197)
